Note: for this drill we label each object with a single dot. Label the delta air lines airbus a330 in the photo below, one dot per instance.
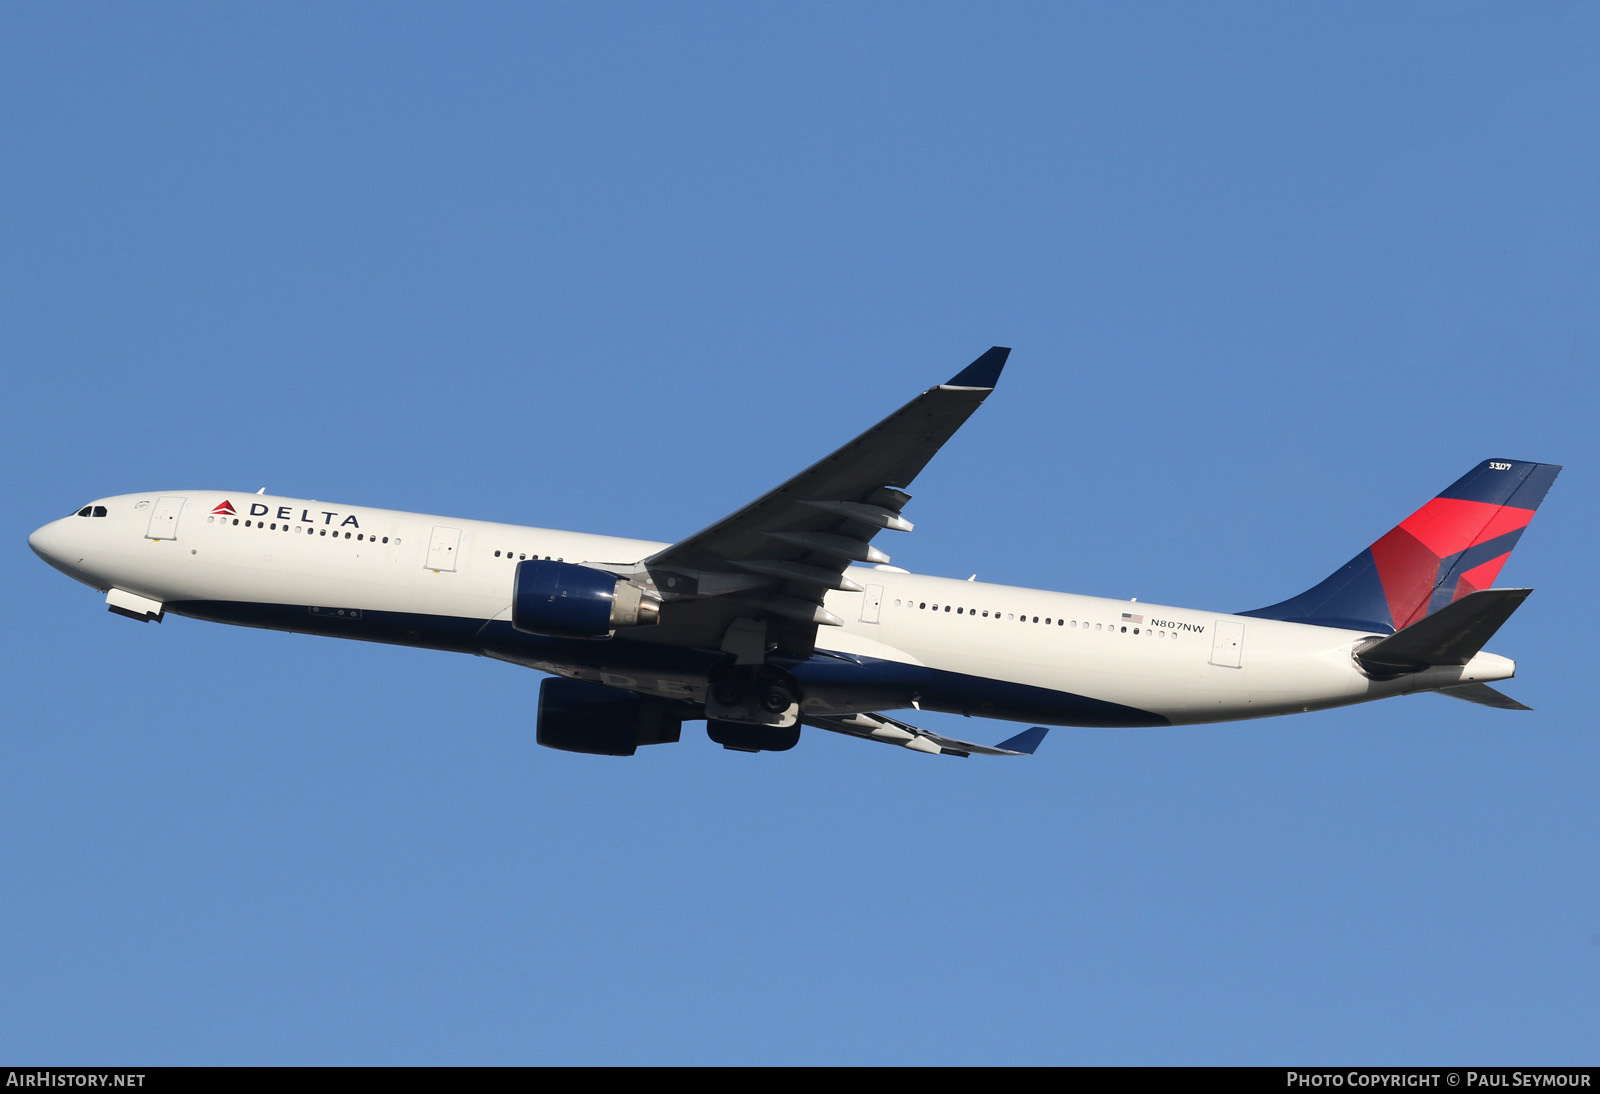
(785, 614)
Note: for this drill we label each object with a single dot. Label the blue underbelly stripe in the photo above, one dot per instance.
(894, 683)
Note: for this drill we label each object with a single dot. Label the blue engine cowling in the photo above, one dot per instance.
(578, 716)
(565, 600)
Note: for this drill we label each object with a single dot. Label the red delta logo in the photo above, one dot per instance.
(284, 513)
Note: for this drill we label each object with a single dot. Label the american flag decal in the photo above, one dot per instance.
(1129, 617)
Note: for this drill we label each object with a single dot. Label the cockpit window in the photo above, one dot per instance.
(99, 510)
(86, 510)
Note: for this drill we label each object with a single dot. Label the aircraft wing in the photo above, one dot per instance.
(755, 580)
(880, 727)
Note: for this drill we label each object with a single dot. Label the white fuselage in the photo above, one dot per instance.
(441, 581)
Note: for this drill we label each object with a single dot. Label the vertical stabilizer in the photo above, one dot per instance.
(1452, 546)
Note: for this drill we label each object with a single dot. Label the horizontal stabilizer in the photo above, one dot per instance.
(1453, 635)
(1485, 695)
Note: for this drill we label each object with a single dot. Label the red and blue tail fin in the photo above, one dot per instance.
(1452, 546)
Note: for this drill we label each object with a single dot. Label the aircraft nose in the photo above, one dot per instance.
(53, 542)
(43, 540)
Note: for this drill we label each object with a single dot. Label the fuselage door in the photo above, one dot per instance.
(442, 549)
(164, 521)
(1227, 643)
(870, 603)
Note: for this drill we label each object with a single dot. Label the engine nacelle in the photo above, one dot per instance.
(578, 716)
(565, 600)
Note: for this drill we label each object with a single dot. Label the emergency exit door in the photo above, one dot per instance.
(871, 603)
(1227, 643)
(442, 549)
(164, 521)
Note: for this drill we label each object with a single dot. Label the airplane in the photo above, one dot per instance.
(785, 614)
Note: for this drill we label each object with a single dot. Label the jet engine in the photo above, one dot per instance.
(565, 600)
(578, 716)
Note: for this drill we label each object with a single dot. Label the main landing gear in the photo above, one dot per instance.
(753, 708)
(758, 694)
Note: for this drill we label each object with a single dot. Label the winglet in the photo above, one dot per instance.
(984, 372)
(1025, 742)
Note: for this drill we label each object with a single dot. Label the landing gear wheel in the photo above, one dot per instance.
(761, 695)
(776, 699)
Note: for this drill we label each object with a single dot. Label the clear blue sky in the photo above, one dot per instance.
(1274, 275)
